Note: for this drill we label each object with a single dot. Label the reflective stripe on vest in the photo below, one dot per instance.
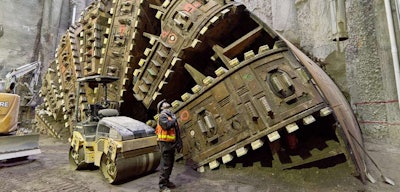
(164, 135)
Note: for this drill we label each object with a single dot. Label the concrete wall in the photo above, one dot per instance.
(32, 29)
(56, 19)
(21, 22)
(370, 70)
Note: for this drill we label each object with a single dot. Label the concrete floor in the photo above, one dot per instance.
(50, 172)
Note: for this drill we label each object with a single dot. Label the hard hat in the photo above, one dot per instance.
(162, 105)
(165, 105)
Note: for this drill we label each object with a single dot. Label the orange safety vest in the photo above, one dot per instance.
(164, 135)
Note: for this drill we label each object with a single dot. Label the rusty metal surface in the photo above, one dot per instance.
(235, 85)
(340, 106)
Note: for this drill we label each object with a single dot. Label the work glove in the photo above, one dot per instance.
(178, 145)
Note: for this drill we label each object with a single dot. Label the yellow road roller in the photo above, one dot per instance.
(123, 148)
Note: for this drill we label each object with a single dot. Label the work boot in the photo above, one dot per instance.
(165, 190)
(171, 185)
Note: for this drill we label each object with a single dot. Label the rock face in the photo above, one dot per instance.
(20, 35)
(31, 30)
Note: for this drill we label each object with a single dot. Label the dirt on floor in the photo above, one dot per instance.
(50, 171)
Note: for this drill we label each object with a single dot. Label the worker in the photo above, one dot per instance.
(168, 139)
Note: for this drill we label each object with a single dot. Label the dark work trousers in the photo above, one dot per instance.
(167, 162)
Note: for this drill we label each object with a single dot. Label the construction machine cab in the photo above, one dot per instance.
(102, 108)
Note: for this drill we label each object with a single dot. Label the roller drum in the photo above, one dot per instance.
(128, 167)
